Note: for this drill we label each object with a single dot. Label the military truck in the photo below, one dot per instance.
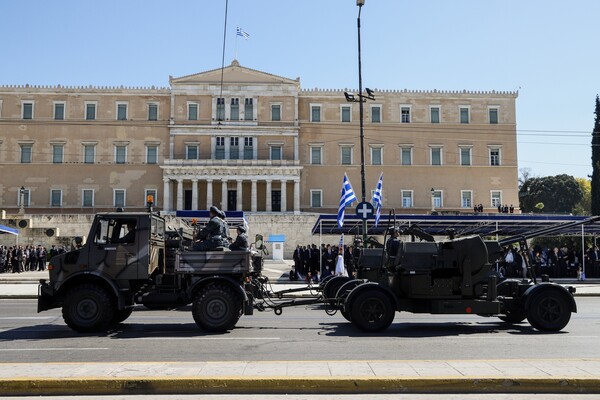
(453, 276)
(132, 258)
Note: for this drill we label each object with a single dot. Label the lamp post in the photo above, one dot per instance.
(361, 99)
(432, 200)
(22, 200)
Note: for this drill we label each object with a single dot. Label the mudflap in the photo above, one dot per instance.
(46, 298)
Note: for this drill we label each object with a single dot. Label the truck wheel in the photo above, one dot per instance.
(333, 285)
(548, 311)
(514, 317)
(372, 311)
(216, 309)
(88, 308)
(121, 315)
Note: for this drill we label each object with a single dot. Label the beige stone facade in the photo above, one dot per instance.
(258, 143)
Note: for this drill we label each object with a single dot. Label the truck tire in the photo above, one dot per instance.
(216, 308)
(372, 311)
(333, 285)
(548, 311)
(121, 315)
(341, 295)
(88, 308)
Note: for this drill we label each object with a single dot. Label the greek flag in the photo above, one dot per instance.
(347, 197)
(377, 200)
(242, 33)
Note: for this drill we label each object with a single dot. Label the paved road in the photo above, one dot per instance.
(331, 397)
(299, 334)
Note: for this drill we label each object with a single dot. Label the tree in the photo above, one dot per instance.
(550, 194)
(584, 207)
(596, 161)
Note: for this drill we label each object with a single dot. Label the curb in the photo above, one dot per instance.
(285, 385)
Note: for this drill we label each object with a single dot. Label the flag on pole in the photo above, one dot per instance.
(347, 197)
(242, 33)
(377, 200)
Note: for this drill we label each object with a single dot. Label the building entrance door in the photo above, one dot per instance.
(187, 199)
(232, 200)
(276, 200)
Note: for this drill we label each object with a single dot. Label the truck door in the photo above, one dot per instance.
(116, 240)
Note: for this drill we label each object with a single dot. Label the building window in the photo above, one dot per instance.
(275, 112)
(248, 148)
(494, 156)
(122, 111)
(406, 155)
(346, 113)
(87, 198)
(316, 198)
(316, 155)
(376, 155)
(466, 198)
(496, 196)
(436, 155)
(59, 111)
(151, 154)
(405, 114)
(27, 110)
(493, 115)
(120, 154)
(90, 111)
(234, 148)
(152, 112)
(407, 199)
(248, 109)
(89, 154)
(191, 152)
(234, 109)
(57, 153)
(315, 113)
(192, 111)
(55, 198)
(434, 115)
(465, 156)
(220, 148)
(220, 109)
(375, 114)
(437, 199)
(154, 194)
(26, 197)
(346, 155)
(119, 198)
(275, 152)
(26, 153)
(464, 115)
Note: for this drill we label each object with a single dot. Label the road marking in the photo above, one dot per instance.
(209, 338)
(59, 349)
(5, 318)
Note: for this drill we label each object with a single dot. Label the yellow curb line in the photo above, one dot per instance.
(287, 385)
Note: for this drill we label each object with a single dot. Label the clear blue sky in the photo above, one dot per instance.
(546, 49)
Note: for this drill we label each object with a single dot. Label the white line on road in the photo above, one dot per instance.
(59, 349)
(209, 338)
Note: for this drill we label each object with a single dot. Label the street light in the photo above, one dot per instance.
(22, 200)
(360, 98)
(432, 200)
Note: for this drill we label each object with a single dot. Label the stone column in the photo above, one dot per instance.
(283, 195)
(269, 197)
(209, 193)
(224, 194)
(180, 194)
(194, 193)
(167, 194)
(238, 196)
(297, 195)
(253, 200)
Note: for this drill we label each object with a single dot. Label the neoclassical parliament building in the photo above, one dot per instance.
(258, 143)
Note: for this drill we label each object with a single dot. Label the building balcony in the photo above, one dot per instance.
(230, 163)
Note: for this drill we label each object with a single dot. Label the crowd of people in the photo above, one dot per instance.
(17, 259)
(308, 260)
(557, 262)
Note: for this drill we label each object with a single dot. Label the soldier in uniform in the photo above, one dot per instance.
(241, 241)
(225, 229)
(392, 246)
(211, 236)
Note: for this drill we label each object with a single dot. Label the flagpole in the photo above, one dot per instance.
(235, 47)
(361, 124)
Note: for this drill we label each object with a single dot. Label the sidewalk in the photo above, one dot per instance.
(302, 377)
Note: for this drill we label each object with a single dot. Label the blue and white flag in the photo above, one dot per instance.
(377, 200)
(347, 197)
(242, 33)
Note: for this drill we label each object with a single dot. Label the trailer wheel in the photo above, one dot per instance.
(372, 311)
(548, 311)
(121, 315)
(216, 309)
(88, 308)
(333, 285)
(514, 317)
